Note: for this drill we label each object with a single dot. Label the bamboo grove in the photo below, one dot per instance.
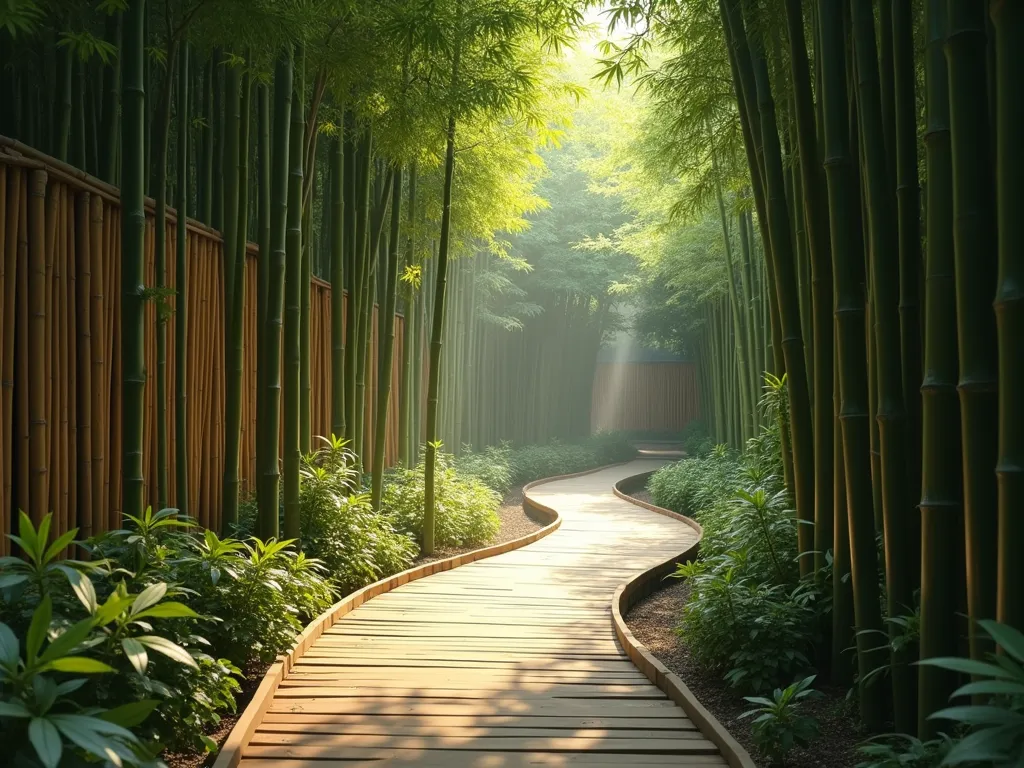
(861, 159)
(389, 175)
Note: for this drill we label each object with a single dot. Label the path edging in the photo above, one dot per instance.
(231, 752)
(635, 590)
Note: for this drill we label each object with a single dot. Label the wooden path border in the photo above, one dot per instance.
(635, 590)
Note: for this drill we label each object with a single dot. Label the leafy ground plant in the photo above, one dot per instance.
(778, 725)
(903, 751)
(996, 726)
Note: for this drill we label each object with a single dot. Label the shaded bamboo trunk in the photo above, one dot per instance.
(849, 302)
(133, 249)
(181, 455)
(271, 414)
(111, 104)
(292, 320)
(337, 198)
(1008, 20)
(263, 213)
(386, 343)
(976, 250)
(941, 514)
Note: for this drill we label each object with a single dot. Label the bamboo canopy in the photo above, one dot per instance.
(59, 317)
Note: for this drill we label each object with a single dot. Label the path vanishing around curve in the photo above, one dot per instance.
(508, 661)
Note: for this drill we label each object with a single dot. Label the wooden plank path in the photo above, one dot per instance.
(508, 661)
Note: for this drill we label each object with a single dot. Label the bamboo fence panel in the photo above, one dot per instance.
(60, 362)
(645, 396)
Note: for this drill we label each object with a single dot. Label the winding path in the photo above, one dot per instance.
(508, 661)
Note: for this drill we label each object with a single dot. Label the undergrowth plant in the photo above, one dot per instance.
(778, 723)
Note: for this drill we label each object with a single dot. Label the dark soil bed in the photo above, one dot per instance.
(515, 522)
(653, 621)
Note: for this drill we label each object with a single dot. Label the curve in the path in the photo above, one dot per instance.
(509, 661)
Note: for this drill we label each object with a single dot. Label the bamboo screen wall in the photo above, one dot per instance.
(644, 396)
(60, 420)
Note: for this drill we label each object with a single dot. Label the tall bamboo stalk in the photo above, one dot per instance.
(133, 249)
(181, 453)
(849, 304)
(1008, 20)
(271, 414)
(235, 330)
(976, 250)
(337, 198)
(292, 320)
(884, 275)
(941, 515)
(386, 343)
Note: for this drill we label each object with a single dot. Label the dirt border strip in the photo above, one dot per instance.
(635, 590)
(231, 752)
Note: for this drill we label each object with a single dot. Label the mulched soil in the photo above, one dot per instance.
(515, 522)
(653, 622)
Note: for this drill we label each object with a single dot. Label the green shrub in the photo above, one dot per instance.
(695, 439)
(693, 485)
(466, 508)
(779, 726)
(904, 751)
(491, 466)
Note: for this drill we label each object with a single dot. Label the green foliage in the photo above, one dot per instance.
(339, 526)
(695, 439)
(491, 466)
(903, 751)
(997, 723)
(693, 485)
(466, 507)
(779, 726)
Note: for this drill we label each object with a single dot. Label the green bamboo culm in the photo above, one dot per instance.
(386, 345)
(437, 323)
(337, 198)
(161, 134)
(181, 452)
(292, 320)
(801, 434)
(263, 214)
(850, 328)
(976, 249)
(898, 512)
(270, 415)
(941, 514)
(1008, 20)
(815, 212)
(409, 331)
(133, 251)
(236, 328)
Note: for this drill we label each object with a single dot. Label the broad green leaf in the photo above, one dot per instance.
(82, 586)
(10, 579)
(168, 649)
(130, 715)
(990, 688)
(13, 708)
(967, 667)
(82, 731)
(58, 544)
(10, 649)
(70, 686)
(1009, 639)
(150, 596)
(37, 629)
(136, 653)
(979, 715)
(168, 611)
(45, 691)
(46, 740)
(79, 664)
(68, 640)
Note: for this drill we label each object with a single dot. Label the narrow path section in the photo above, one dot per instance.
(509, 661)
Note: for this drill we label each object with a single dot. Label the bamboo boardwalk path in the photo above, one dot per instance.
(508, 661)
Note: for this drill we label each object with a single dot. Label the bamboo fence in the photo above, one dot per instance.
(645, 396)
(60, 366)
